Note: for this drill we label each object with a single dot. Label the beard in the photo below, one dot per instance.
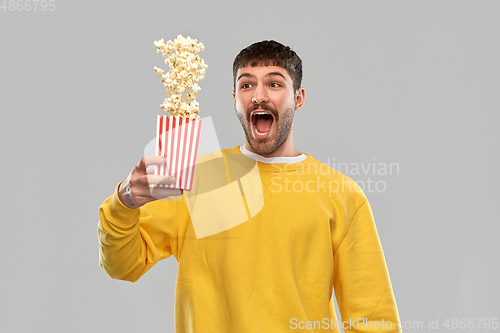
(283, 125)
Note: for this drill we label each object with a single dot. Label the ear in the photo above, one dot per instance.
(234, 97)
(300, 96)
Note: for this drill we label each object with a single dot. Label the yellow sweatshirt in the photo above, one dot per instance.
(259, 248)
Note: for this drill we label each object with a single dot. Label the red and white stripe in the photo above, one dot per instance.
(177, 139)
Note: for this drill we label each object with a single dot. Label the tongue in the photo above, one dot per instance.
(263, 124)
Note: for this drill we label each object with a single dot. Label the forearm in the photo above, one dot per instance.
(121, 253)
(362, 284)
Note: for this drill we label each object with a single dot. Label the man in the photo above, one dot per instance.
(306, 228)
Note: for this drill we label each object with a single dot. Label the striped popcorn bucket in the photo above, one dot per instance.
(177, 139)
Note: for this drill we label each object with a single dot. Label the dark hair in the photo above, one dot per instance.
(270, 53)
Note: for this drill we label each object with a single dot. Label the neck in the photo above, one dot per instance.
(285, 150)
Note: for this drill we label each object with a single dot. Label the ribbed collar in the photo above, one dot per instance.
(272, 160)
(277, 167)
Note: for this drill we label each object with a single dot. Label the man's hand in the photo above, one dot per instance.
(140, 186)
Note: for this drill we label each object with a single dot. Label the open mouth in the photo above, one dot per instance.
(262, 123)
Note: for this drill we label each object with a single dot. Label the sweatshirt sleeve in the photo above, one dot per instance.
(131, 241)
(362, 284)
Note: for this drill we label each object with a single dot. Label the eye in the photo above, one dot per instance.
(245, 85)
(275, 85)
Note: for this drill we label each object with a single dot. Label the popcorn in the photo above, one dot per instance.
(183, 61)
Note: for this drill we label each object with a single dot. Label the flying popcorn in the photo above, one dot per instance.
(185, 69)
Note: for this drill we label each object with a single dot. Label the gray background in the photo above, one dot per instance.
(409, 82)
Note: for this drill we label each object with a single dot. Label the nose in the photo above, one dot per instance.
(259, 95)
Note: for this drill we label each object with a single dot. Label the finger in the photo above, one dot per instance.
(149, 180)
(154, 180)
(145, 191)
(145, 195)
(151, 160)
(165, 192)
(151, 169)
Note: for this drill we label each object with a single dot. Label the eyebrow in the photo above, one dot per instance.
(268, 74)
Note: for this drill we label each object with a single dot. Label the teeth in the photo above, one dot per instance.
(261, 113)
